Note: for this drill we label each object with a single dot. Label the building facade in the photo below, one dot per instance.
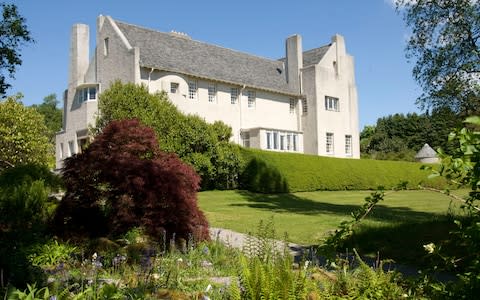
(305, 102)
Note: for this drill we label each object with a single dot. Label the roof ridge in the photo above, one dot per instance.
(197, 41)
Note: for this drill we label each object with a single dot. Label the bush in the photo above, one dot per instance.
(204, 146)
(274, 172)
(123, 180)
(25, 211)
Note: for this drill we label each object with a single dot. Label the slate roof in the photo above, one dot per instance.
(426, 152)
(171, 52)
(312, 56)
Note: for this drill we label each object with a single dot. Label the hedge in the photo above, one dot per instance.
(274, 172)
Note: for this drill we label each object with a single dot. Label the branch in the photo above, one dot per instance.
(454, 197)
(7, 163)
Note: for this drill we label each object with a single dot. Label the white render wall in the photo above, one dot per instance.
(271, 110)
(333, 76)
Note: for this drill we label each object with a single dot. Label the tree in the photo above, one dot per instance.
(51, 114)
(123, 180)
(400, 136)
(23, 135)
(195, 141)
(13, 35)
(445, 45)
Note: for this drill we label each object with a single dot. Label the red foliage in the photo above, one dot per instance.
(123, 180)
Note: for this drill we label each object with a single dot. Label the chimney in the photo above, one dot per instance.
(340, 53)
(79, 53)
(294, 55)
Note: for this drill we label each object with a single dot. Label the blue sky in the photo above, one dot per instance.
(374, 33)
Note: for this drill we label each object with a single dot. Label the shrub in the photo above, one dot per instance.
(122, 180)
(204, 146)
(25, 211)
(273, 172)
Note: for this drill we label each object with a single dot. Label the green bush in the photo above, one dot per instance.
(274, 172)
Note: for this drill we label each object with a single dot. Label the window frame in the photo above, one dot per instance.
(292, 105)
(233, 95)
(304, 106)
(348, 145)
(212, 93)
(332, 103)
(174, 86)
(252, 99)
(192, 90)
(329, 143)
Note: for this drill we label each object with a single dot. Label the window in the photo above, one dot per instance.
(251, 99)
(329, 143)
(348, 145)
(105, 47)
(212, 93)
(246, 139)
(275, 140)
(85, 94)
(82, 144)
(192, 90)
(304, 106)
(331, 103)
(292, 106)
(61, 150)
(233, 95)
(269, 140)
(71, 149)
(174, 87)
(280, 140)
(92, 93)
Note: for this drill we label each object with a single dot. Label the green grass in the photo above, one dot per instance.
(403, 221)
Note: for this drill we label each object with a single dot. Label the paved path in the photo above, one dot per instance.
(238, 240)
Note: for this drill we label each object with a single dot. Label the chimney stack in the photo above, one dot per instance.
(294, 56)
(79, 53)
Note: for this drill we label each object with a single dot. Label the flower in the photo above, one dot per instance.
(430, 248)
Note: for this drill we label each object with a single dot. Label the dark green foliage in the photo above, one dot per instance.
(445, 46)
(13, 35)
(204, 146)
(399, 137)
(460, 169)
(122, 181)
(52, 115)
(27, 174)
(25, 211)
(282, 172)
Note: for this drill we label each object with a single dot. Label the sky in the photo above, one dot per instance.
(375, 35)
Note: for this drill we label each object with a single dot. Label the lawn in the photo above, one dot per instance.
(398, 226)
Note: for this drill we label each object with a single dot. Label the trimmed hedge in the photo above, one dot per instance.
(274, 172)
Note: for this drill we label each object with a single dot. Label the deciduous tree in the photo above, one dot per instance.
(13, 35)
(123, 180)
(445, 46)
(23, 135)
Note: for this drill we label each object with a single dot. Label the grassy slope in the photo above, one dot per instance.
(397, 228)
(300, 172)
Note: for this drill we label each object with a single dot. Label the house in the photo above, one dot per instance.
(305, 102)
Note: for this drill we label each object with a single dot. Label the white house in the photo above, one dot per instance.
(305, 102)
